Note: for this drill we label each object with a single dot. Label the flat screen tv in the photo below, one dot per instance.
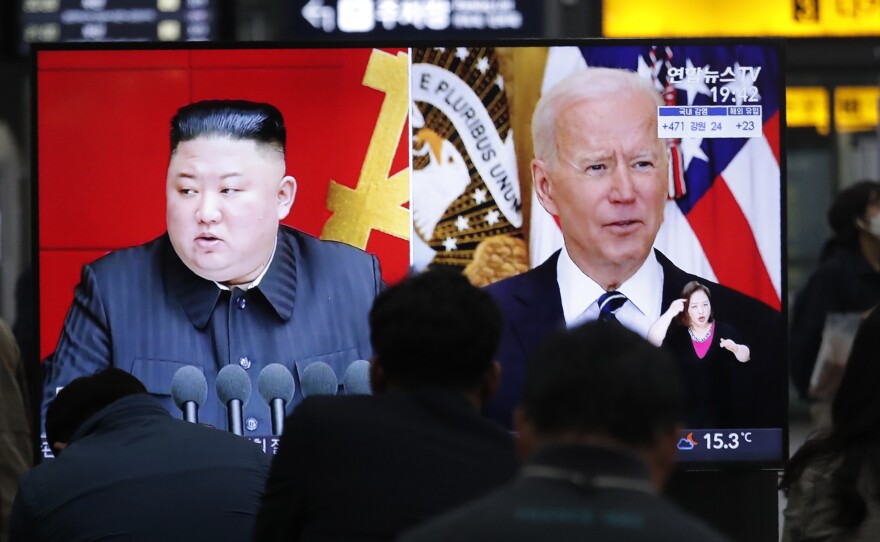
(425, 156)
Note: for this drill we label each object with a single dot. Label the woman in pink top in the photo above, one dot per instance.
(709, 353)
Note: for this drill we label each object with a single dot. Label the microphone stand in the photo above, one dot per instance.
(233, 417)
(277, 405)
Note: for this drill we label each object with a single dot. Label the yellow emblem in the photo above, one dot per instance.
(376, 202)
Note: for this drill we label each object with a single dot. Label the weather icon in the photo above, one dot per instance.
(687, 443)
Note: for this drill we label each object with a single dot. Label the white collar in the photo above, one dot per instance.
(578, 291)
(256, 281)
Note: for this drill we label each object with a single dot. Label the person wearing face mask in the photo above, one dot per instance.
(847, 279)
(709, 353)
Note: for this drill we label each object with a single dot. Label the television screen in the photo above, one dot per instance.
(717, 118)
(103, 124)
(425, 156)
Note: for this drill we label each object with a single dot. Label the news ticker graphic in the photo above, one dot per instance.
(727, 121)
(724, 445)
(704, 445)
(268, 444)
(734, 84)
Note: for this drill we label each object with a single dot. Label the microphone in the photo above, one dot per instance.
(233, 390)
(356, 380)
(275, 384)
(189, 389)
(318, 379)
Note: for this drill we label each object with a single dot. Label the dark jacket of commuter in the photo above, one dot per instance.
(833, 481)
(126, 470)
(368, 467)
(846, 280)
(599, 420)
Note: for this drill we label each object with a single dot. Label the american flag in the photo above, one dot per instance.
(723, 220)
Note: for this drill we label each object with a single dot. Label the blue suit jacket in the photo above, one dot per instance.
(532, 309)
(142, 310)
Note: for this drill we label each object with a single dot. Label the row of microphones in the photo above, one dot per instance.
(189, 389)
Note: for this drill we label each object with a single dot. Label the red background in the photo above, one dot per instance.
(103, 124)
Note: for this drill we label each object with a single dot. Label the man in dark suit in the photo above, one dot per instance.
(601, 169)
(126, 470)
(368, 467)
(599, 422)
(225, 285)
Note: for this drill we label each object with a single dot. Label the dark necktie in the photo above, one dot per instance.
(609, 304)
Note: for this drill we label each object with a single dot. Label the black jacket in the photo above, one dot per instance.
(132, 472)
(571, 492)
(843, 282)
(368, 467)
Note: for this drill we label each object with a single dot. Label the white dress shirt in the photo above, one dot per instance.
(580, 293)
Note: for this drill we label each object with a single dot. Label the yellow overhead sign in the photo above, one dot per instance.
(701, 18)
(856, 109)
(808, 107)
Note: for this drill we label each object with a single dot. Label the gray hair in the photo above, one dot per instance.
(582, 85)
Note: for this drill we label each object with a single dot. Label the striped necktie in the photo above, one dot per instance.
(609, 304)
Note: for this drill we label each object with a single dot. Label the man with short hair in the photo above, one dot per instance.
(225, 285)
(601, 169)
(368, 467)
(599, 422)
(125, 469)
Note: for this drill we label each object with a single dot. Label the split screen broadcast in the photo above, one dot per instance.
(440, 156)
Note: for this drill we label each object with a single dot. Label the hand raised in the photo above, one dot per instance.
(676, 306)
